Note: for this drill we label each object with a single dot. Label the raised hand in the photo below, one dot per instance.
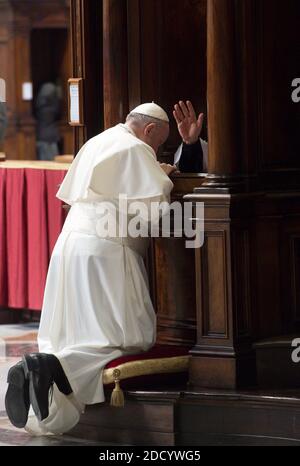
(189, 126)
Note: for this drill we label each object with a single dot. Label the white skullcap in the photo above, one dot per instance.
(151, 110)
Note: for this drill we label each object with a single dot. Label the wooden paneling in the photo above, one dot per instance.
(215, 298)
(295, 274)
(134, 53)
(169, 55)
(245, 286)
(115, 62)
(175, 292)
(199, 418)
(224, 418)
(290, 271)
(242, 279)
(143, 420)
(268, 320)
(145, 50)
(144, 56)
(279, 64)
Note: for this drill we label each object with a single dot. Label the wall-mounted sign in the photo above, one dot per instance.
(2, 90)
(75, 99)
(27, 91)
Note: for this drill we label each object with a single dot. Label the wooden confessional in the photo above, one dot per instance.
(236, 62)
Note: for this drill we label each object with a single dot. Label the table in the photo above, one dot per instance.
(31, 218)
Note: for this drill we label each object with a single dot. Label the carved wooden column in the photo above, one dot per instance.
(225, 293)
(223, 355)
(115, 72)
(224, 163)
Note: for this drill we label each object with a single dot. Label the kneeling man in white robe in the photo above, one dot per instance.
(96, 304)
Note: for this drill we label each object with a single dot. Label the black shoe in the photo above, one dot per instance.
(43, 370)
(17, 396)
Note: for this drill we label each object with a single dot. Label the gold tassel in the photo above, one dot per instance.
(117, 395)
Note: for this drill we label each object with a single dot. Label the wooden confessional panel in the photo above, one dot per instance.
(279, 65)
(143, 58)
(167, 62)
(167, 55)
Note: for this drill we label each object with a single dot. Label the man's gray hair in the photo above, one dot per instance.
(143, 120)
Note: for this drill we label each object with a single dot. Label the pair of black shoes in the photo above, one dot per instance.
(29, 383)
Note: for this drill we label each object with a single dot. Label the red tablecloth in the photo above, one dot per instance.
(31, 218)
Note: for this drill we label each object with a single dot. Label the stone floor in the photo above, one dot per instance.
(11, 436)
(14, 341)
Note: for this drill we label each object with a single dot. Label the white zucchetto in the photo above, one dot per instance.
(152, 110)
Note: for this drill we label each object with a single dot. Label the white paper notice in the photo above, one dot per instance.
(27, 91)
(2, 90)
(74, 103)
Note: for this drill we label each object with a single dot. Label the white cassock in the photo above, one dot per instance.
(96, 304)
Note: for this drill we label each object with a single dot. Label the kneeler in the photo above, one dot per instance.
(161, 365)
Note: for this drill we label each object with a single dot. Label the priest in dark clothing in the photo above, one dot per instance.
(191, 156)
